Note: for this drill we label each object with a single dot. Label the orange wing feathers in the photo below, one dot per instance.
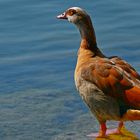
(115, 78)
(133, 96)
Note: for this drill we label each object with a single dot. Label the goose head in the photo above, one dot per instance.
(74, 15)
(81, 19)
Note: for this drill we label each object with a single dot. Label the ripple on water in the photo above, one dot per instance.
(38, 55)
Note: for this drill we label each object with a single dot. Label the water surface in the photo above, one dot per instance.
(38, 99)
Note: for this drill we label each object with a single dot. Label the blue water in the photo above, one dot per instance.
(38, 99)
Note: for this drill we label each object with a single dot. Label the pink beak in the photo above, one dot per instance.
(62, 16)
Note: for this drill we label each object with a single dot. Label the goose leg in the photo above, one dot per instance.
(102, 131)
(116, 130)
(121, 124)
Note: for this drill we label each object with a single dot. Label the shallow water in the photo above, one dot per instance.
(38, 54)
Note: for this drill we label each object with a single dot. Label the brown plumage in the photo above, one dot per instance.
(109, 85)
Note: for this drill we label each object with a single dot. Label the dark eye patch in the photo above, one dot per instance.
(71, 12)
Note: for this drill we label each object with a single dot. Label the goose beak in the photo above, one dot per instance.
(62, 16)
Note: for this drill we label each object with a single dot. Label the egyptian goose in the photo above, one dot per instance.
(108, 85)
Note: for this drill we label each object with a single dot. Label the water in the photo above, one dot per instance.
(38, 100)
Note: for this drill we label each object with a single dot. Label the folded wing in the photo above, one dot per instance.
(115, 78)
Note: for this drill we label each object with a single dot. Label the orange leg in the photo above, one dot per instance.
(118, 130)
(102, 132)
(121, 124)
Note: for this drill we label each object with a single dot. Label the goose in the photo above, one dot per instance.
(108, 85)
